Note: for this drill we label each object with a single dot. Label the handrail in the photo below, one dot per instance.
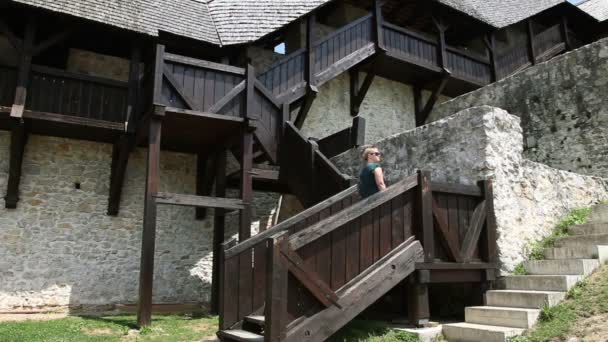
(78, 76)
(249, 243)
(336, 174)
(427, 38)
(324, 227)
(201, 63)
(282, 61)
(342, 29)
(468, 54)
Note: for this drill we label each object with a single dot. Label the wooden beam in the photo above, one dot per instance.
(198, 201)
(276, 290)
(25, 64)
(223, 306)
(120, 157)
(246, 188)
(490, 245)
(418, 302)
(430, 104)
(16, 42)
(159, 67)
(357, 94)
(565, 32)
(19, 137)
(425, 207)
(490, 42)
(471, 238)
(146, 270)
(378, 21)
(219, 228)
(309, 71)
(131, 116)
(530, 36)
(53, 40)
(231, 95)
(357, 132)
(441, 45)
(457, 189)
(418, 106)
(205, 176)
(309, 98)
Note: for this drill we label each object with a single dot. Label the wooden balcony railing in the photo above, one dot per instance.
(548, 39)
(410, 45)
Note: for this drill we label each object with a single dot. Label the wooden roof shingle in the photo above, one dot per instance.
(598, 9)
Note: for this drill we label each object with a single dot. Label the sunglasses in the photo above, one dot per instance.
(377, 154)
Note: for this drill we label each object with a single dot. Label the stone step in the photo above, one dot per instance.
(523, 298)
(587, 252)
(256, 319)
(589, 228)
(541, 282)
(599, 213)
(501, 316)
(583, 241)
(471, 332)
(565, 266)
(240, 335)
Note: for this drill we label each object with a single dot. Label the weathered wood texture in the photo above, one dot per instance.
(343, 140)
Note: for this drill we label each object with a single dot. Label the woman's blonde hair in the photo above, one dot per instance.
(367, 150)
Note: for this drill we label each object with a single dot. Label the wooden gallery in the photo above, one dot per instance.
(123, 122)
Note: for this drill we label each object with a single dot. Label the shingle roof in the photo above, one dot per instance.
(501, 13)
(595, 8)
(228, 22)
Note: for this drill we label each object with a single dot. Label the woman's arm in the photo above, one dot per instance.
(379, 177)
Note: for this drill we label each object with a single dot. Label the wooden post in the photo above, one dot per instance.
(276, 289)
(310, 61)
(425, 197)
(222, 283)
(134, 90)
(441, 53)
(418, 106)
(565, 33)
(354, 90)
(490, 42)
(378, 32)
(18, 142)
(246, 188)
(357, 132)
(120, 158)
(159, 64)
(315, 194)
(490, 249)
(205, 176)
(418, 298)
(25, 64)
(530, 33)
(146, 272)
(219, 224)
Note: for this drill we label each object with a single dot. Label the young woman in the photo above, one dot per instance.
(371, 178)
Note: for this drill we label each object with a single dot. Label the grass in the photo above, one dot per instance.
(110, 328)
(371, 331)
(536, 248)
(582, 314)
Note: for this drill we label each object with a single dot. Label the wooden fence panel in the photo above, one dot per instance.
(409, 45)
(469, 67)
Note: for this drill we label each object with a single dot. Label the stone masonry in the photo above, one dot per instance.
(563, 108)
(61, 251)
(483, 142)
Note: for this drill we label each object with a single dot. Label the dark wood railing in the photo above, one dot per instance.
(410, 45)
(468, 65)
(285, 74)
(306, 171)
(548, 39)
(57, 91)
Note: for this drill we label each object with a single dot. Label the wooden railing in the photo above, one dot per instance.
(306, 171)
(244, 266)
(548, 39)
(344, 140)
(306, 269)
(468, 65)
(410, 45)
(285, 74)
(57, 91)
(342, 42)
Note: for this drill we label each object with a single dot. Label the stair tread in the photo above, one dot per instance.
(258, 319)
(484, 327)
(242, 335)
(502, 308)
(526, 291)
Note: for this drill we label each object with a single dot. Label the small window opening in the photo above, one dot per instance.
(280, 49)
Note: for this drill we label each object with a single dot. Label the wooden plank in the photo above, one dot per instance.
(204, 114)
(314, 232)
(452, 211)
(323, 262)
(473, 232)
(363, 292)
(23, 73)
(204, 64)
(144, 310)
(179, 89)
(159, 67)
(219, 230)
(246, 188)
(450, 245)
(353, 247)
(425, 199)
(19, 136)
(205, 177)
(259, 275)
(338, 257)
(458, 189)
(120, 157)
(455, 266)
(385, 228)
(276, 282)
(397, 223)
(199, 201)
(491, 247)
(245, 284)
(229, 287)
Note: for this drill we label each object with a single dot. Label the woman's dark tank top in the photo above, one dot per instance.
(367, 182)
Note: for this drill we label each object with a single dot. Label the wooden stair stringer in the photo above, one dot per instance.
(360, 293)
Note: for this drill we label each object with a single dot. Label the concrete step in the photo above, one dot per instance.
(587, 252)
(565, 266)
(501, 316)
(240, 335)
(589, 228)
(470, 332)
(523, 298)
(599, 213)
(541, 282)
(582, 241)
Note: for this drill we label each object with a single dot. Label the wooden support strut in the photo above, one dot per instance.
(146, 272)
(422, 116)
(246, 160)
(490, 42)
(276, 289)
(120, 158)
(18, 141)
(357, 94)
(219, 228)
(25, 65)
(311, 89)
(530, 36)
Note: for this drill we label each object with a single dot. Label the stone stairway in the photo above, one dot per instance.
(508, 312)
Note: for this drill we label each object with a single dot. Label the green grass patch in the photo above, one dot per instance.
(371, 331)
(110, 328)
(520, 270)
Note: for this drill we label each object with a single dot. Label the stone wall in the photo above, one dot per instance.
(60, 250)
(562, 105)
(483, 142)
